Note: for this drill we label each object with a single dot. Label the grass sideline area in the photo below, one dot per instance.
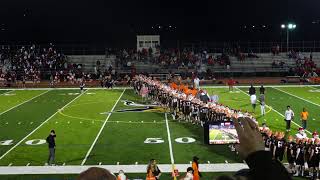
(87, 133)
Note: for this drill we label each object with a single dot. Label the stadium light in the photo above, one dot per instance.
(290, 26)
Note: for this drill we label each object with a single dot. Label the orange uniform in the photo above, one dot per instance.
(150, 176)
(181, 87)
(186, 90)
(194, 92)
(304, 115)
(174, 85)
(196, 175)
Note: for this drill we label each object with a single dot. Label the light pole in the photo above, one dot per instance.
(289, 28)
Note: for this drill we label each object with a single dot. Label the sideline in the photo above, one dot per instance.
(141, 168)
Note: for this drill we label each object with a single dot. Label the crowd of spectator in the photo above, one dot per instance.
(305, 66)
(32, 63)
(172, 58)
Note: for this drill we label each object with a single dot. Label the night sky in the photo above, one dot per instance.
(117, 22)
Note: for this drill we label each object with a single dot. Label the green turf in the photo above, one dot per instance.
(20, 121)
(10, 99)
(122, 139)
(3, 91)
(279, 101)
(74, 135)
(241, 101)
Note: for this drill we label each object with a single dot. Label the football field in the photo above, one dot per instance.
(114, 127)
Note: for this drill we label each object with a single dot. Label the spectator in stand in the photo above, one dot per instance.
(274, 64)
(277, 49)
(252, 55)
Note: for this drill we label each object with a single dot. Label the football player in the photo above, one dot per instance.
(279, 147)
(195, 113)
(291, 150)
(300, 156)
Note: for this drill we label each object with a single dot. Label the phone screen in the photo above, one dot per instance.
(223, 133)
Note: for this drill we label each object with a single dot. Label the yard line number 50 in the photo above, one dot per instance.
(34, 142)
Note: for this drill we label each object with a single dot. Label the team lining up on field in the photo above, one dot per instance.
(194, 104)
(303, 154)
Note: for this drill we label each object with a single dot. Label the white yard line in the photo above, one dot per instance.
(296, 96)
(166, 168)
(7, 91)
(40, 126)
(276, 111)
(23, 103)
(169, 140)
(101, 129)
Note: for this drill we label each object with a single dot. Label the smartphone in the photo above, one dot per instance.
(223, 132)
